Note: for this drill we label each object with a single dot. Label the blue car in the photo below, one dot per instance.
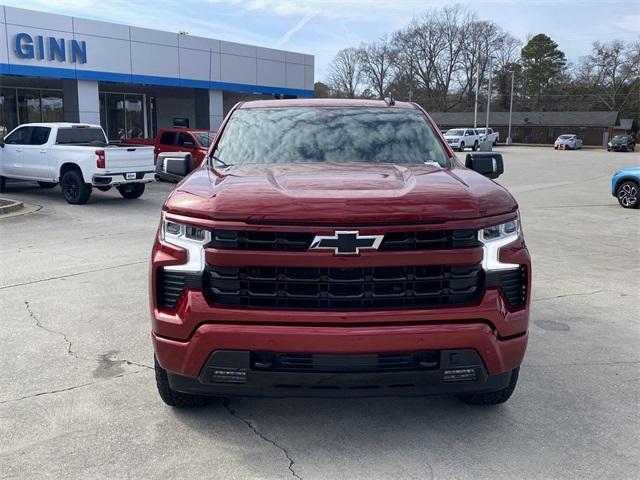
(625, 186)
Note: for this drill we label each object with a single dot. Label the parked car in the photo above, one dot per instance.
(622, 143)
(568, 142)
(338, 248)
(461, 138)
(625, 186)
(76, 156)
(490, 134)
(195, 142)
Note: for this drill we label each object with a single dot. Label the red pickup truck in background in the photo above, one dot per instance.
(195, 142)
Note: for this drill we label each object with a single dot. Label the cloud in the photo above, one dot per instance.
(296, 28)
(335, 9)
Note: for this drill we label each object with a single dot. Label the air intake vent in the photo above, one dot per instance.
(170, 285)
(512, 283)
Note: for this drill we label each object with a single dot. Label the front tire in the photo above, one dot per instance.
(131, 190)
(47, 185)
(74, 188)
(461, 149)
(628, 194)
(475, 146)
(493, 398)
(172, 397)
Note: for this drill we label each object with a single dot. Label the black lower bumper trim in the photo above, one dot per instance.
(231, 374)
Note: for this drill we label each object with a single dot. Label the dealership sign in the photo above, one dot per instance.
(51, 48)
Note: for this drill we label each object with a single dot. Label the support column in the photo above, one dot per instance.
(81, 102)
(202, 108)
(88, 102)
(216, 111)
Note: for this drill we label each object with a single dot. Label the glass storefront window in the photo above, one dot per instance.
(122, 115)
(29, 106)
(51, 101)
(8, 111)
(114, 106)
(134, 116)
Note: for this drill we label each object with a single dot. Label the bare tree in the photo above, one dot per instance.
(378, 61)
(611, 71)
(345, 72)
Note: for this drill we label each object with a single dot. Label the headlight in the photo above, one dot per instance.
(493, 239)
(191, 238)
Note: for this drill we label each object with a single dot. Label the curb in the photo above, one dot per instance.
(10, 206)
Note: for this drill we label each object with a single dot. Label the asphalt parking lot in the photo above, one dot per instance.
(77, 390)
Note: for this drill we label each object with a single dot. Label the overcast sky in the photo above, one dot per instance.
(322, 27)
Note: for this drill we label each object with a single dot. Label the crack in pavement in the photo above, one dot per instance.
(47, 329)
(72, 275)
(585, 294)
(68, 389)
(64, 336)
(227, 404)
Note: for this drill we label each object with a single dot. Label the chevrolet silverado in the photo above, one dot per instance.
(338, 248)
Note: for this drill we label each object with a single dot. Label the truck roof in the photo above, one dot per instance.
(184, 129)
(61, 125)
(325, 102)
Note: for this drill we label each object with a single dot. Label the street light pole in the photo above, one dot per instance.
(509, 141)
(475, 108)
(489, 95)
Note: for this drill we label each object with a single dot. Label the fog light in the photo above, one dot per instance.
(459, 375)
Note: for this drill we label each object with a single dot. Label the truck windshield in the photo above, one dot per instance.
(67, 136)
(205, 138)
(455, 133)
(329, 134)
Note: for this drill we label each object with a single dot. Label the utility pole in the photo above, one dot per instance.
(489, 95)
(509, 141)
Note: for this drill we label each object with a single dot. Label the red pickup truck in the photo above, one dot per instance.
(338, 248)
(195, 142)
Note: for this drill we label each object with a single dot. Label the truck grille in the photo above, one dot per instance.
(320, 288)
(295, 241)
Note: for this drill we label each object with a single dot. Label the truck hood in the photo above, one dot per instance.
(353, 193)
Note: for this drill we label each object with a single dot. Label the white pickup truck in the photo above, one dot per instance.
(490, 134)
(78, 157)
(461, 138)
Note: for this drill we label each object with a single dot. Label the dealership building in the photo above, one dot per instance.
(132, 80)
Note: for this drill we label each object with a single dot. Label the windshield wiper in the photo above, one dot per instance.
(221, 162)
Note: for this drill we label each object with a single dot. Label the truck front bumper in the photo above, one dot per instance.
(115, 179)
(217, 360)
(234, 373)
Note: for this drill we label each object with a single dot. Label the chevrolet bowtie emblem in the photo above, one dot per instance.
(346, 243)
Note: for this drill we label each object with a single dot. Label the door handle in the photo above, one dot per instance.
(18, 150)
(43, 151)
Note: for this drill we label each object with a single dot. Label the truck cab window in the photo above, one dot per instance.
(39, 135)
(19, 137)
(185, 138)
(168, 138)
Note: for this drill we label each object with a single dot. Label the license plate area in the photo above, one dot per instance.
(130, 176)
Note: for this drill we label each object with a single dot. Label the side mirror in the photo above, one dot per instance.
(188, 145)
(176, 164)
(489, 164)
